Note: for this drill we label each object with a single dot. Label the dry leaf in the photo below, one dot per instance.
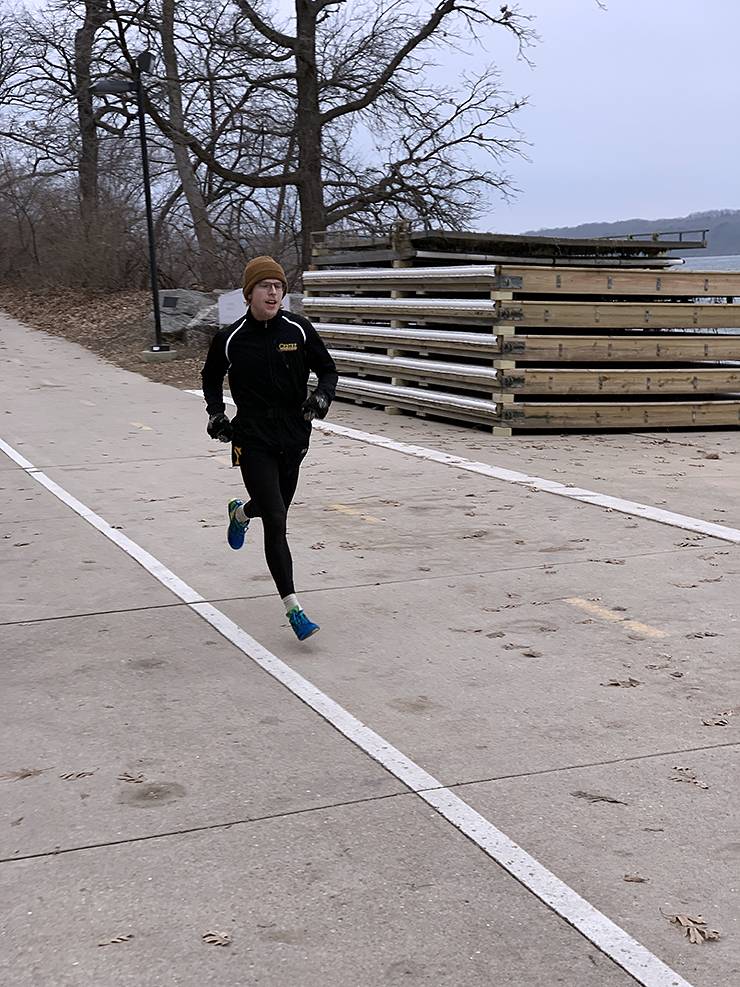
(531, 653)
(318, 544)
(635, 879)
(687, 775)
(596, 798)
(217, 938)
(116, 939)
(695, 928)
(22, 773)
(133, 779)
(629, 683)
(717, 721)
(74, 775)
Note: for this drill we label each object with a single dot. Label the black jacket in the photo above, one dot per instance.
(268, 364)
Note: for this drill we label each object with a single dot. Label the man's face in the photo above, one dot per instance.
(265, 298)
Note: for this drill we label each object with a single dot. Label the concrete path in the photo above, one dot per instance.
(157, 784)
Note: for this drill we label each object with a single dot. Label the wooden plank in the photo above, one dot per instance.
(542, 380)
(436, 372)
(481, 344)
(622, 348)
(530, 279)
(471, 241)
(630, 347)
(419, 399)
(624, 415)
(616, 315)
(603, 281)
(448, 310)
(608, 380)
(529, 314)
(550, 245)
(424, 256)
(357, 257)
(463, 277)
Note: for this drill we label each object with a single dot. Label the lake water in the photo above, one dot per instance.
(731, 262)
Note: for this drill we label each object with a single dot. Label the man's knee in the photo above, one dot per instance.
(274, 519)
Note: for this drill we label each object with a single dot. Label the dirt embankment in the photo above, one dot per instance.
(115, 326)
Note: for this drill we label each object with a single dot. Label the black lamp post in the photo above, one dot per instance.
(113, 87)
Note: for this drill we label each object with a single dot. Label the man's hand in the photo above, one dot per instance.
(219, 427)
(315, 406)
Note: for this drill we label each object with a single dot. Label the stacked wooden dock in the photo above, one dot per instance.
(529, 332)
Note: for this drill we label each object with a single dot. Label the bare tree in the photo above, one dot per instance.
(265, 131)
(96, 12)
(339, 75)
(185, 170)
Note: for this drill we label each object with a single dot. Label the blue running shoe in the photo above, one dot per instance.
(236, 530)
(301, 624)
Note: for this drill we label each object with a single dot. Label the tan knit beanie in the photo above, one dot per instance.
(260, 269)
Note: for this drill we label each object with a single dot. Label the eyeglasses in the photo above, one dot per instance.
(269, 285)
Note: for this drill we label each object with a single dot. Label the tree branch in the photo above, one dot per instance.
(265, 29)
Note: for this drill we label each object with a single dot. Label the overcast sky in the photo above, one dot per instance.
(633, 112)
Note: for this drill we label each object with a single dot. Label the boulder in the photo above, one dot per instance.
(205, 321)
(180, 306)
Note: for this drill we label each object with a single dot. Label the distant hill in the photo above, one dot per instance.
(723, 226)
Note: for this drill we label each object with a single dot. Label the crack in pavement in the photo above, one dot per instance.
(210, 827)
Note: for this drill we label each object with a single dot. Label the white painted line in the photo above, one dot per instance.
(539, 483)
(152, 565)
(608, 937)
(630, 507)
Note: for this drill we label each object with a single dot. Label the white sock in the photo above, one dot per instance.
(241, 516)
(290, 602)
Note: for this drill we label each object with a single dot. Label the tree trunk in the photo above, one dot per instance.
(308, 129)
(96, 12)
(207, 251)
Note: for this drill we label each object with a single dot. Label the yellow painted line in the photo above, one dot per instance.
(345, 509)
(598, 611)
(145, 428)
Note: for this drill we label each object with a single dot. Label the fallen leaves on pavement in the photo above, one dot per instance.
(596, 798)
(116, 939)
(22, 773)
(695, 928)
(217, 938)
(687, 775)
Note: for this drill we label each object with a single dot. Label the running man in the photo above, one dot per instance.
(267, 356)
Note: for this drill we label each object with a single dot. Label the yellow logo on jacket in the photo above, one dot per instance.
(287, 347)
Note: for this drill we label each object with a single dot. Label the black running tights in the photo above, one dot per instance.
(271, 478)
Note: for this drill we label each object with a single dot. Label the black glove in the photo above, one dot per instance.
(219, 427)
(316, 405)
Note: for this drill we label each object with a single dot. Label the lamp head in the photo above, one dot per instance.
(145, 61)
(112, 87)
